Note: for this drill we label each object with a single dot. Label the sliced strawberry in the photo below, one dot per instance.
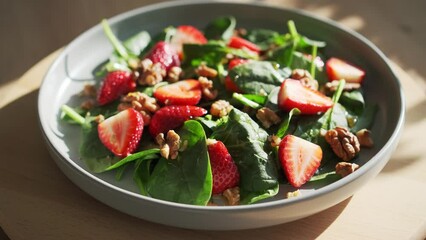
(186, 34)
(121, 133)
(185, 92)
(338, 69)
(224, 171)
(164, 54)
(172, 117)
(293, 94)
(114, 85)
(241, 43)
(299, 159)
(229, 84)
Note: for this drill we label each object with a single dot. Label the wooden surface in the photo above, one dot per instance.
(38, 202)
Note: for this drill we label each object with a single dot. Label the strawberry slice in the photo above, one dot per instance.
(229, 84)
(186, 34)
(121, 133)
(293, 94)
(225, 172)
(299, 159)
(114, 85)
(185, 92)
(338, 69)
(164, 54)
(172, 117)
(241, 43)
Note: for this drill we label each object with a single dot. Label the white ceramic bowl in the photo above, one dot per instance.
(77, 62)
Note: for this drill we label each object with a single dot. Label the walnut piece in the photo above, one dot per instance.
(88, 104)
(174, 74)
(275, 140)
(169, 146)
(204, 71)
(207, 88)
(232, 195)
(345, 168)
(331, 87)
(141, 102)
(293, 194)
(344, 144)
(89, 90)
(267, 117)
(220, 108)
(364, 138)
(305, 78)
(150, 73)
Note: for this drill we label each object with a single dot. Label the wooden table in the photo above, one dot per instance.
(38, 202)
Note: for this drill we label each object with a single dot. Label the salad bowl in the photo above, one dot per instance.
(76, 66)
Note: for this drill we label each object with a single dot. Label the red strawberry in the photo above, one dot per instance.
(121, 133)
(229, 84)
(185, 92)
(293, 94)
(186, 34)
(164, 54)
(172, 117)
(241, 43)
(299, 159)
(338, 69)
(224, 171)
(114, 85)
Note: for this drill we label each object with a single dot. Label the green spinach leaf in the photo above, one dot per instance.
(245, 142)
(353, 101)
(187, 179)
(221, 28)
(256, 77)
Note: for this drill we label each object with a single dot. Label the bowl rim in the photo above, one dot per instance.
(44, 125)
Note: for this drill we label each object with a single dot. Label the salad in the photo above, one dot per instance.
(222, 112)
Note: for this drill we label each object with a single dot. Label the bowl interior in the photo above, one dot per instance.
(75, 67)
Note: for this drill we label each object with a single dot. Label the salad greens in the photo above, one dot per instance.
(189, 178)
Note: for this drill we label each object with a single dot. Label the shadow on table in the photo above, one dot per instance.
(38, 198)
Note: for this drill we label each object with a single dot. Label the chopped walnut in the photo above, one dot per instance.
(88, 104)
(364, 138)
(174, 74)
(207, 88)
(169, 146)
(232, 195)
(151, 73)
(99, 118)
(204, 71)
(296, 193)
(275, 140)
(211, 204)
(344, 144)
(220, 108)
(331, 87)
(345, 168)
(305, 78)
(267, 117)
(141, 102)
(89, 90)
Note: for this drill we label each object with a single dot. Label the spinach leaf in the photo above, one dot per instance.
(141, 174)
(286, 122)
(187, 179)
(366, 119)
(353, 101)
(96, 156)
(142, 155)
(263, 38)
(211, 53)
(136, 44)
(256, 77)
(221, 28)
(245, 141)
